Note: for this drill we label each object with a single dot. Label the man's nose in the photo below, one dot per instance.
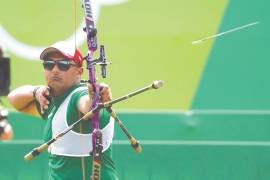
(55, 68)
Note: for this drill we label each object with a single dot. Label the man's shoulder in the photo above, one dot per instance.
(80, 87)
(79, 91)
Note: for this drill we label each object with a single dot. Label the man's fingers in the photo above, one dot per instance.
(47, 93)
(41, 110)
(42, 98)
(105, 92)
(106, 96)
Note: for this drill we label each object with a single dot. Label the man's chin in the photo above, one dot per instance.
(55, 84)
(59, 86)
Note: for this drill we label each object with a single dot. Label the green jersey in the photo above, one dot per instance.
(62, 167)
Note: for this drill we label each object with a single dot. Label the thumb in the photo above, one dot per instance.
(90, 90)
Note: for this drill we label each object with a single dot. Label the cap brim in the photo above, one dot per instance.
(50, 50)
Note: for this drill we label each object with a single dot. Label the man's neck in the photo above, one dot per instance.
(58, 91)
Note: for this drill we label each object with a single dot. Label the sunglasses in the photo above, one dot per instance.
(63, 65)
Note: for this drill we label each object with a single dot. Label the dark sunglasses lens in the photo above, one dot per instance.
(63, 65)
(48, 65)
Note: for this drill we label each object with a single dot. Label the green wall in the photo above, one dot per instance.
(196, 145)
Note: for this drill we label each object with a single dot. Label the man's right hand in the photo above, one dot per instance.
(42, 95)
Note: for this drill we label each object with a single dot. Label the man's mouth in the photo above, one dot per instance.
(56, 78)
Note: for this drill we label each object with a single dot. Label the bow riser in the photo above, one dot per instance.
(92, 47)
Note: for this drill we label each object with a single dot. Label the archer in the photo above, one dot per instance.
(60, 103)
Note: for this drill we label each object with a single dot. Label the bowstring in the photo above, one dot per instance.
(75, 23)
(75, 45)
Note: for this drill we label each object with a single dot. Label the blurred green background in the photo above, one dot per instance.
(209, 121)
(145, 40)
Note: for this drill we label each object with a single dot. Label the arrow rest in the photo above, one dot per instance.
(102, 61)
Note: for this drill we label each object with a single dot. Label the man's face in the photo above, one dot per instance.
(60, 73)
